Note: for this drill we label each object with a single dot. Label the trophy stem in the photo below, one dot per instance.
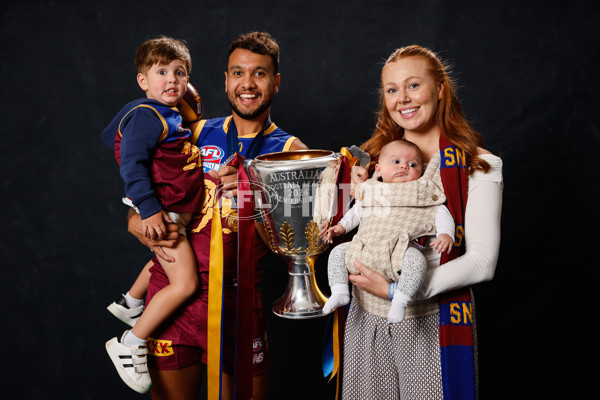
(302, 299)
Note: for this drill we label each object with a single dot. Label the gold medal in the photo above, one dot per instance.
(232, 220)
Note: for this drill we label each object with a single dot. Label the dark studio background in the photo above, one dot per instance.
(528, 81)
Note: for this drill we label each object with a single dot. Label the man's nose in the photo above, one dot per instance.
(248, 81)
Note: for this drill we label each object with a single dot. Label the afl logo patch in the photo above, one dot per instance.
(212, 154)
(211, 157)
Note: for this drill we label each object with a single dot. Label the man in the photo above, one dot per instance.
(179, 347)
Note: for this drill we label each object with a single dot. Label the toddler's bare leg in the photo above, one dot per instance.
(183, 278)
(140, 286)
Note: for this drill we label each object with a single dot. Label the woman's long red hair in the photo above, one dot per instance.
(450, 119)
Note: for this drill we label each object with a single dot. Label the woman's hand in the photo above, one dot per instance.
(370, 281)
(135, 227)
(227, 175)
(358, 175)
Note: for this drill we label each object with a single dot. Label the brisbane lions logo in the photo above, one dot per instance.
(210, 196)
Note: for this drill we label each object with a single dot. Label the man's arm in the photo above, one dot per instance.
(298, 145)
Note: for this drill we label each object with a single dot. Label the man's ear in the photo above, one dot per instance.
(277, 82)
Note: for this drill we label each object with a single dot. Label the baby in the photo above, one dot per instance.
(400, 161)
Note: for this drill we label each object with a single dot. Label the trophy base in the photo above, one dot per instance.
(300, 315)
(302, 298)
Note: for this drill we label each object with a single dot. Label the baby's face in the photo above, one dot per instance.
(399, 163)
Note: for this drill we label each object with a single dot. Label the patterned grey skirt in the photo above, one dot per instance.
(391, 361)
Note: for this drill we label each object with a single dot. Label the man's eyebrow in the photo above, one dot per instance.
(254, 69)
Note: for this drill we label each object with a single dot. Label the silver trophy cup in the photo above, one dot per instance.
(295, 193)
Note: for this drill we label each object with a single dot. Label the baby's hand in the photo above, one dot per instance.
(154, 227)
(443, 243)
(323, 230)
(358, 175)
(327, 234)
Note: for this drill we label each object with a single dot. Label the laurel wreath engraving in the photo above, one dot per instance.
(312, 238)
(288, 236)
(270, 235)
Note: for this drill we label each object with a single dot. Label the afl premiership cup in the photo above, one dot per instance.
(295, 193)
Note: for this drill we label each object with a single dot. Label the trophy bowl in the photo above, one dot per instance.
(295, 193)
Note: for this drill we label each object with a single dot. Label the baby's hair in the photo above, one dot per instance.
(405, 143)
(161, 50)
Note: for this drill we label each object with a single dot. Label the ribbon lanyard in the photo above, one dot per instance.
(255, 145)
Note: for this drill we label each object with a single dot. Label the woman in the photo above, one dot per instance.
(432, 354)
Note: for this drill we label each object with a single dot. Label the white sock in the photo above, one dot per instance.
(129, 340)
(132, 301)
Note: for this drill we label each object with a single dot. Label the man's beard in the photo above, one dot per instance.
(251, 114)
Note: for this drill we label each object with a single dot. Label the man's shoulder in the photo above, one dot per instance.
(278, 132)
(214, 123)
(276, 139)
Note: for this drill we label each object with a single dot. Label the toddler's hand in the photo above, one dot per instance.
(443, 243)
(154, 227)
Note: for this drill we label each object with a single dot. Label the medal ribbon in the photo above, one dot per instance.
(245, 298)
(215, 304)
(334, 336)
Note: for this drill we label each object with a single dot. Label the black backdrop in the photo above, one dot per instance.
(528, 81)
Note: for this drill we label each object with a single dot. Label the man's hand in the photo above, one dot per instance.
(227, 175)
(134, 226)
(370, 281)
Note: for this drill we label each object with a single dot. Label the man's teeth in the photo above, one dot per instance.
(404, 112)
(247, 96)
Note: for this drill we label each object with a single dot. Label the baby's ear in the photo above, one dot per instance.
(377, 170)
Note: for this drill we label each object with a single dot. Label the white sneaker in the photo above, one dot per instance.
(131, 364)
(121, 310)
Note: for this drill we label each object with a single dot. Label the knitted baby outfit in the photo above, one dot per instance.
(392, 214)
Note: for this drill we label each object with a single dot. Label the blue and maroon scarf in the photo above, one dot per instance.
(456, 308)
